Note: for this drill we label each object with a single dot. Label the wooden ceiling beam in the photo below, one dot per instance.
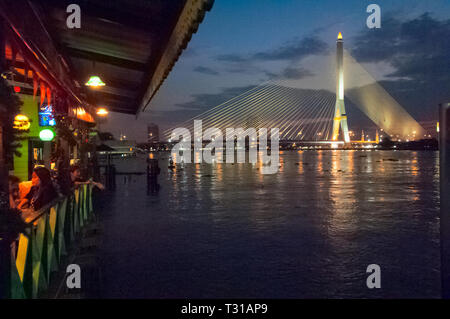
(107, 59)
(136, 17)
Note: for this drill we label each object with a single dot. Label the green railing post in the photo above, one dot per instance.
(60, 229)
(39, 280)
(85, 200)
(50, 239)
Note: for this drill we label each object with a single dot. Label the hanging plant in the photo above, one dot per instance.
(11, 103)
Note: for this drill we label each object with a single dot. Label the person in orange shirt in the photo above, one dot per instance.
(42, 190)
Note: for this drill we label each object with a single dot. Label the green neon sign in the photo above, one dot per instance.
(46, 135)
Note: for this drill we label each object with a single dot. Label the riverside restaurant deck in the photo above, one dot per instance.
(43, 247)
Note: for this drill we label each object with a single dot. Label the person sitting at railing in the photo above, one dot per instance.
(77, 180)
(42, 190)
(14, 198)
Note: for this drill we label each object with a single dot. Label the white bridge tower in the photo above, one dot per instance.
(340, 117)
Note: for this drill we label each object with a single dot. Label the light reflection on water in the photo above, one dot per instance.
(226, 230)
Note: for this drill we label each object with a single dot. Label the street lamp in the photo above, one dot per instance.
(102, 113)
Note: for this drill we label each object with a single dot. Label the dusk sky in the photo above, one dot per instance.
(241, 44)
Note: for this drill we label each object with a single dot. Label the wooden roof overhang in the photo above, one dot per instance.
(131, 44)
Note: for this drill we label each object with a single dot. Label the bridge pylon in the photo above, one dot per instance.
(340, 116)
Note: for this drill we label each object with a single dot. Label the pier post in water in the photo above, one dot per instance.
(153, 171)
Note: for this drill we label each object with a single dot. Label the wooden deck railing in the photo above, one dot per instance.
(39, 250)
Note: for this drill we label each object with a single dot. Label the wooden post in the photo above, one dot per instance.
(46, 153)
(444, 158)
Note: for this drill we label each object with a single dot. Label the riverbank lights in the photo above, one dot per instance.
(46, 135)
(21, 122)
(95, 82)
(102, 111)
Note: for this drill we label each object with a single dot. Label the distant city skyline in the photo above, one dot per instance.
(242, 44)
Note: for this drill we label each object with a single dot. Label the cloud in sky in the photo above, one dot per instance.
(205, 70)
(203, 102)
(294, 50)
(417, 49)
(289, 52)
(296, 73)
(232, 58)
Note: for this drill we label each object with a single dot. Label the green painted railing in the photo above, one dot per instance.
(39, 251)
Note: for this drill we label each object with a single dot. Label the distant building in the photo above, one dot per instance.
(153, 133)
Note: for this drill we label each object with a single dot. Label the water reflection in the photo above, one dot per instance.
(226, 230)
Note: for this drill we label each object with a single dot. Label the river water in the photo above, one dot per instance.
(309, 231)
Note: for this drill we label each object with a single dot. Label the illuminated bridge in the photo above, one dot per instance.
(312, 115)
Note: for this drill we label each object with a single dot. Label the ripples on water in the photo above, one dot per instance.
(309, 231)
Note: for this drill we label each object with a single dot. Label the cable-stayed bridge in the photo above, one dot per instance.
(299, 114)
(313, 115)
